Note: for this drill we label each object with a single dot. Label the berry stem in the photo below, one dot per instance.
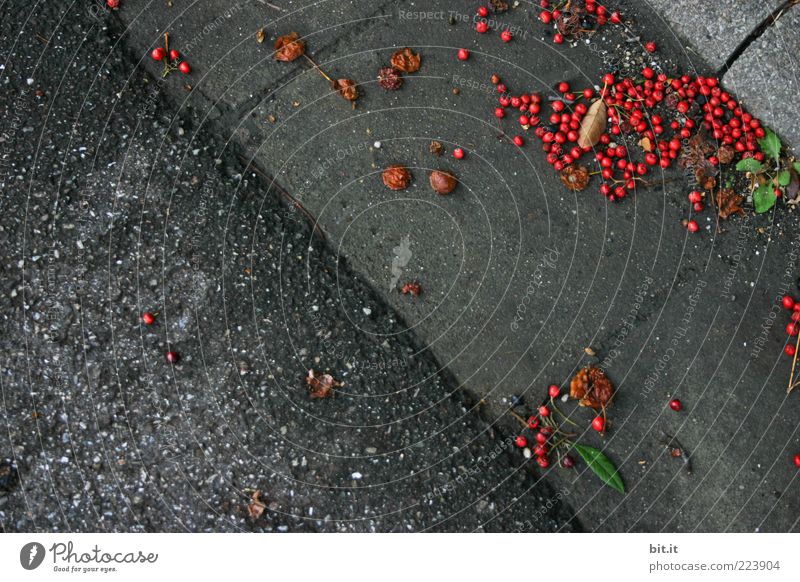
(792, 383)
(566, 418)
(317, 67)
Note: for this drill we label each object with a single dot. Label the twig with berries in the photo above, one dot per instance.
(171, 59)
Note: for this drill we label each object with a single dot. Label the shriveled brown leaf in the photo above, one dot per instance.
(793, 189)
(347, 88)
(705, 178)
(406, 61)
(321, 386)
(575, 177)
(729, 202)
(261, 35)
(256, 507)
(593, 125)
(499, 5)
(289, 47)
(646, 144)
(592, 387)
(436, 148)
(725, 154)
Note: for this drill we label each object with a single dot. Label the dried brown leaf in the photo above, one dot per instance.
(289, 47)
(646, 144)
(260, 35)
(436, 148)
(729, 202)
(256, 507)
(347, 88)
(592, 387)
(725, 154)
(593, 125)
(575, 178)
(321, 386)
(406, 61)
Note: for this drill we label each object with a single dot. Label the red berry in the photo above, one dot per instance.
(675, 405)
(185, 68)
(545, 16)
(540, 450)
(789, 350)
(499, 112)
(518, 141)
(158, 53)
(554, 391)
(588, 93)
(558, 38)
(458, 153)
(113, 4)
(483, 11)
(648, 73)
(695, 196)
(148, 318)
(505, 36)
(791, 329)
(463, 54)
(481, 27)
(567, 462)
(543, 462)
(541, 437)
(650, 47)
(598, 423)
(533, 422)
(521, 441)
(692, 226)
(173, 357)
(608, 79)
(174, 55)
(544, 411)
(616, 17)
(788, 301)
(797, 461)
(563, 87)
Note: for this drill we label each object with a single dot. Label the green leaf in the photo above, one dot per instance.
(797, 167)
(602, 467)
(764, 198)
(749, 165)
(784, 178)
(771, 144)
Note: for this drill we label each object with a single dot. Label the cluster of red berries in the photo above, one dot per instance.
(160, 53)
(793, 327)
(482, 26)
(592, 9)
(149, 319)
(630, 104)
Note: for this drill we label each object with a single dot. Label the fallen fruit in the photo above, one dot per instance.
(463, 54)
(396, 177)
(173, 357)
(390, 78)
(458, 153)
(598, 423)
(442, 182)
(148, 318)
(675, 405)
(184, 68)
(554, 391)
(521, 441)
(159, 53)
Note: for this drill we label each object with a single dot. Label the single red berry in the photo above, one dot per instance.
(545, 16)
(563, 87)
(483, 11)
(648, 73)
(174, 55)
(506, 36)
(481, 27)
(518, 141)
(159, 53)
(598, 423)
(567, 462)
(675, 405)
(541, 437)
(650, 47)
(521, 442)
(692, 226)
(789, 350)
(788, 301)
(554, 391)
(533, 422)
(695, 196)
(463, 54)
(616, 17)
(558, 38)
(588, 93)
(113, 4)
(458, 153)
(544, 411)
(540, 450)
(791, 329)
(608, 79)
(499, 112)
(797, 461)
(148, 318)
(543, 462)
(173, 357)
(185, 68)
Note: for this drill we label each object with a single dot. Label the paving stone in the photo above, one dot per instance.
(714, 29)
(766, 77)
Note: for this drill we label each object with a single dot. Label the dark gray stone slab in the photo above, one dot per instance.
(714, 29)
(767, 77)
